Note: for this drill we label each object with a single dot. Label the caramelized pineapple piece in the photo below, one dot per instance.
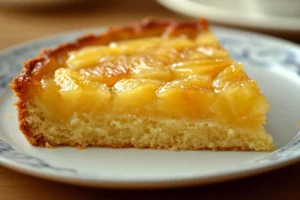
(241, 104)
(190, 97)
(205, 52)
(90, 56)
(50, 100)
(134, 94)
(137, 45)
(238, 99)
(78, 92)
(197, 81)
(110, 70)
(229, 76)
(146, 67)
(210, 67)
(164, 55)
(179, 43)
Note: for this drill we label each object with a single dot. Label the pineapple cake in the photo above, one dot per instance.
(158, 83)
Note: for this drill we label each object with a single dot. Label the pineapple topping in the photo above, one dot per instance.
(175, 77)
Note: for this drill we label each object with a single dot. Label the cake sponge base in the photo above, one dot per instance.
(121, 131)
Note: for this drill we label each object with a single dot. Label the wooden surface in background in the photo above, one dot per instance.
(19, 25)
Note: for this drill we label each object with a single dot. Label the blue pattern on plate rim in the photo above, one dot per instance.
(7, 151)
(244, 49)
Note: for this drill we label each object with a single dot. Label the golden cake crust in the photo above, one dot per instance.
(34, 69)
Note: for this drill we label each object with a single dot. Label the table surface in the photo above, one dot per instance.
(19, 25)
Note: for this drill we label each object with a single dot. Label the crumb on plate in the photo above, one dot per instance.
(48, 145)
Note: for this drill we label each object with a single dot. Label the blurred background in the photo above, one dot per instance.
(23, 20)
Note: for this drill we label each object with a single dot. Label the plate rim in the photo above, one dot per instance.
(143, 184)
(146, 184)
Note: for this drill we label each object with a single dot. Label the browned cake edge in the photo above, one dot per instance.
(35, 68)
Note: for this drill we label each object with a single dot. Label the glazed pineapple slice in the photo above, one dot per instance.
(157, 84)
(78, 92)
(233, 74)
(137, 45)
(195, 91)
(240, 105)
(134, 95)
(211, 67)
(238, 101)
(90, 56)
(149, 67)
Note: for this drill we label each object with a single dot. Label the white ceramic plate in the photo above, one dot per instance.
(259, 14)
(272, 62)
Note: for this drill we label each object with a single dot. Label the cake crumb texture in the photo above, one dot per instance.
(125, 131)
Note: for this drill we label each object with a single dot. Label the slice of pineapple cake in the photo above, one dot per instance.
(156, 84)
